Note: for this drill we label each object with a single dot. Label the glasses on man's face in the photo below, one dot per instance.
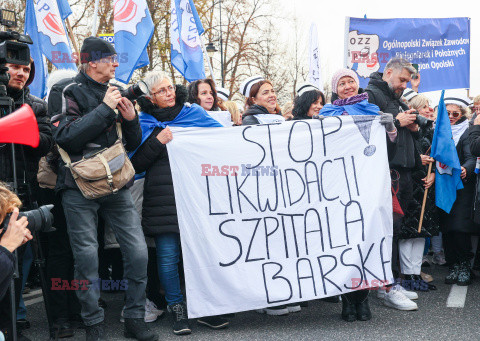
(454, 114)
(163, 91)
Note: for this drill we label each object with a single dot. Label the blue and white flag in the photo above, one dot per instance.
(447, 177)
(186, 46)
(44, 23)
(133, 28)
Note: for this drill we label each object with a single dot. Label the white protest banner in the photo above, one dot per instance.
(281, 213)
(222, 117)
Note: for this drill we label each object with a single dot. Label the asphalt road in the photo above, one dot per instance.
(319, 321)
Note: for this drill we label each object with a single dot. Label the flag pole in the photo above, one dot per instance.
(72, 39)
(425, 194)
(208, 59)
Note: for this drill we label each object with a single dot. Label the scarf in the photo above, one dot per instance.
(355, 105)
(458, 130)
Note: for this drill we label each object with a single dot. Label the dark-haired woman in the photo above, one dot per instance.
(263, 109)
(262, 103)
(203, 93)
(308, 102)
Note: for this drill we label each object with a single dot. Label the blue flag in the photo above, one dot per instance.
(133, 28)
(186, 47)
(189, 116)
(448, 168)
(44, 24)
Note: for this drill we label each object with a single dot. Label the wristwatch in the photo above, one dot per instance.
(396, 123)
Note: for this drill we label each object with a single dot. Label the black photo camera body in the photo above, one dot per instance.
(135, 91)
(422, 122)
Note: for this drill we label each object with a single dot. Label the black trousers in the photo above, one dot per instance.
(59, 262)
(458, 247)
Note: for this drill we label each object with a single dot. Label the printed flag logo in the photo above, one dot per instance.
(53, 24)
(125, 10)
(444, 169)
(49, 22)
(128, 14)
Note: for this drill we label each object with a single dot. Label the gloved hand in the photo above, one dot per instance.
(318, 117)
(387, 120)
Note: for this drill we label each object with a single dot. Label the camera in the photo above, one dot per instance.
(40, 219)
(13, 49)
(422, 121)
(135, 91)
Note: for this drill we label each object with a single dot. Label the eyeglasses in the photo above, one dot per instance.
(163, 91)
(454, 114)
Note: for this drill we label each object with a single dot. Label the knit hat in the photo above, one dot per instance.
(458, 100)
(343, 73)
(247, 84)
(94, 49)
(305, 87)
(409, 94)
(223, 93)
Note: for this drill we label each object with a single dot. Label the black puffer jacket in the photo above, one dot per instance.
(379, 93)
(86, 124)
(27, 157)
(460, 218)
(159, 213)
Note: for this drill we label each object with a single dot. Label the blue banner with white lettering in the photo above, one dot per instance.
(440, 47)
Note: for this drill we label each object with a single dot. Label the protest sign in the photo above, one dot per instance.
(440, 47)
(281, 213)
(222, 117)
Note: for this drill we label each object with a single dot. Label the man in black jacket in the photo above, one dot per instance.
(26, 160)
(87, 125)
(385, 90)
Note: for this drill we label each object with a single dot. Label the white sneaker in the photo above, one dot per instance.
(149, 305)
(294, 308)
(412, 295)
(397, 300)
(274, 311)
(151, 312)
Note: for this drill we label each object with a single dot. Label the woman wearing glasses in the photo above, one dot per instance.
(457, 226)
(165, 103)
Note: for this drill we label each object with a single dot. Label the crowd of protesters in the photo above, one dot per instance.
(133, 236)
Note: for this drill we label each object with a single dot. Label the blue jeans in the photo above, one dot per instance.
(119, 213)
(168, 257)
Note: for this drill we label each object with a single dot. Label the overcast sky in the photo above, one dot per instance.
(330, 16)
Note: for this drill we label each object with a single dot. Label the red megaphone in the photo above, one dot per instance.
(20, 127)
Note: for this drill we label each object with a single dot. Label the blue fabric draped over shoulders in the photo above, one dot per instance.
(360, 108)
(191, 115)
